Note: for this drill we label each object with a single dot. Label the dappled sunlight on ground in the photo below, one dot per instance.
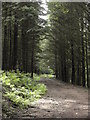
(52, 103)
(61, 101)
(84, 107)
(60, 106)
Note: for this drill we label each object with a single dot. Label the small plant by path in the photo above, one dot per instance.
(20, 90)
(60, 101)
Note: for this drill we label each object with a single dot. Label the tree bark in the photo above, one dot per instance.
(83, 55)
(73, 64)
(10, 39)
(32, 58)
(15, 47)
(4, 62)
(56, 69)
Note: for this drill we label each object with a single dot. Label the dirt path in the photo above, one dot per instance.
(61, 101)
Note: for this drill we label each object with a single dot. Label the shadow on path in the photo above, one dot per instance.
(61, 101)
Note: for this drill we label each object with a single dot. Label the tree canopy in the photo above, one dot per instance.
(59, 45)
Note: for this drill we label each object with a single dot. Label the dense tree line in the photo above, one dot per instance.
(69, 37)
(62, 45)
(0, 36)
(22, 27)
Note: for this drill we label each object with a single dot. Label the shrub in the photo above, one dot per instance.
(20, 88)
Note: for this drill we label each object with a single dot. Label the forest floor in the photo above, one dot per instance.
(62, 100)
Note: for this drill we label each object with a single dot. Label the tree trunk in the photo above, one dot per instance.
(10, 57)
(4, 62)
(73, 66)
(87, 60)
(56, 69)
(32, 59)
(83, 55)
(78, 67)
(15, 47)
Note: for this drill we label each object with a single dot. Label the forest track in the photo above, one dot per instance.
(62, 100)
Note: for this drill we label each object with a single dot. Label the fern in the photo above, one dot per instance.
(20, 88)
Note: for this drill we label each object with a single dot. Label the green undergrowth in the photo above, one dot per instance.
(50, 76)
(20, 88)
